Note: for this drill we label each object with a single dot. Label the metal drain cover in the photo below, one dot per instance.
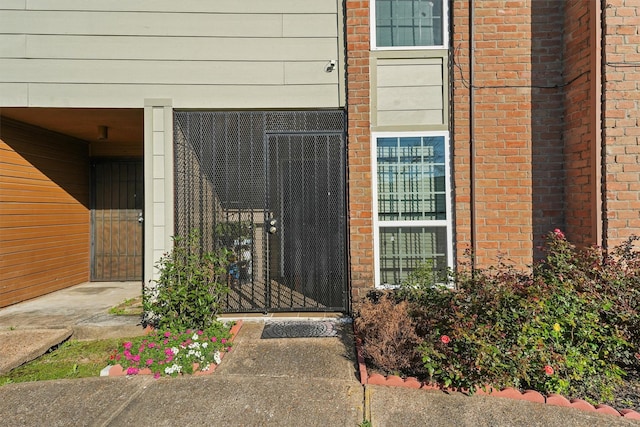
(299, 329)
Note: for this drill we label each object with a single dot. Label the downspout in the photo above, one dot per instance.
(596, 126)
(472, 149)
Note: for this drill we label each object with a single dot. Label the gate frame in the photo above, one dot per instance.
(344, 289)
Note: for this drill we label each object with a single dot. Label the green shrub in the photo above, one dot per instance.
(189, 292)
(555, 330)
(569, 325)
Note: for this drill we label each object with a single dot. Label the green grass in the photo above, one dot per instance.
(129, 307)
(72, 359)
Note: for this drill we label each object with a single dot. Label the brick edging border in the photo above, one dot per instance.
(118, 371)
(509, 392)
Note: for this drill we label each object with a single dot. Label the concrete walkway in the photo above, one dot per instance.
(278, 382)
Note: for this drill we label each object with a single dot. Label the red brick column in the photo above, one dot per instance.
(518, 104)
(621, 117)
(359, 149)
(581, 124)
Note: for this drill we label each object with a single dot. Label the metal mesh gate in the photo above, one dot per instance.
(270, 187)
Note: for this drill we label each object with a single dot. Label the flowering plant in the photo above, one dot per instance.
(569, 324)
(165, 352)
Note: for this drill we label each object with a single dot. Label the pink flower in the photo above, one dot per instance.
(165, 342)
(167, 334)
(445, 339)
(149, 362)
(132, 371)
(558, 233)
(168, 352)
(548, 370)
(156, 375)
(127, 345)
(199, 332)
(152, 345)
(136, 358)
(214, 339)
(223, 340)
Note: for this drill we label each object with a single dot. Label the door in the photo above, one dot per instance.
(306, 197)
(116, 220)
(269, 187)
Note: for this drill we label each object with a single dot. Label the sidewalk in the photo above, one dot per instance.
(271, 382)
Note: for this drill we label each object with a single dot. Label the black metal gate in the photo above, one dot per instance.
(269, 186)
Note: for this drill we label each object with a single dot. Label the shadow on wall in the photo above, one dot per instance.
(45, 166)
(547, 117)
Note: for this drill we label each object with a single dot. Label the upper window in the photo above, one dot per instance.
(408, 23)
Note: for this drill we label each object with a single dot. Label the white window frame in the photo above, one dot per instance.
(445, 30)
(377, 223)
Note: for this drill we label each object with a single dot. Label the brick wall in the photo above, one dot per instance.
(582, 189)
(621, 115)
(517, 124)
(359, 148)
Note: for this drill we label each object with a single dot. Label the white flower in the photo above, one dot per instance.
(195, 353)
(175, 350)
(172, 369)
(205, 344)
(195, 337)
(206, 367)
(216, 357)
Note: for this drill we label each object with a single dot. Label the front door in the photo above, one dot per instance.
(270, 187)
(116, 220)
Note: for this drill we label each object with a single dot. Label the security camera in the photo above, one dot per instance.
(331, 65)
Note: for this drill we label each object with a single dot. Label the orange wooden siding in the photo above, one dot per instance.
(44, 212)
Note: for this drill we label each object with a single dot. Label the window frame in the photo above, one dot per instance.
(445, 30)
(378, 224)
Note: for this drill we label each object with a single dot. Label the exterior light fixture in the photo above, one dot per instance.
(103, 133)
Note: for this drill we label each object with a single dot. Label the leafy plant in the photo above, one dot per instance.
(544, 331)
(172, 353)
(569, 325)
(232, 233)
(189, 292)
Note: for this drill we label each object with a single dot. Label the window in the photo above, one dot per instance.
(408, 23)
(412, 195)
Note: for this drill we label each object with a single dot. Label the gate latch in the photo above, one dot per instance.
(272, 226)
(140, 218)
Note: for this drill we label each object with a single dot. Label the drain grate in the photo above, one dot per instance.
(299, 329)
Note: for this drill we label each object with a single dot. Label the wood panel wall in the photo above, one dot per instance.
(44, 212)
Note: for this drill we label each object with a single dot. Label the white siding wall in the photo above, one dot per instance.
(201, 54)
